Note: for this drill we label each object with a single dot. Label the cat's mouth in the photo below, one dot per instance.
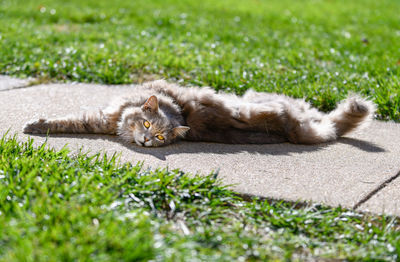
(143, 144)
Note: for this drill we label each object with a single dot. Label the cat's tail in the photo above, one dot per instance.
(352, 113)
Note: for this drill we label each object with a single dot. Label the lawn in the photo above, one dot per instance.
(54, 207)
(58, 207)
(319, 50)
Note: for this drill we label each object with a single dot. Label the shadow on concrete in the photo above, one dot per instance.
(361, 144)
(184, 147)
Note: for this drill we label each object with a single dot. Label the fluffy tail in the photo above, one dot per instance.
(353, 112)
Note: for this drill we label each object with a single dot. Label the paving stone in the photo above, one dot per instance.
(339, 173)
(7, 82)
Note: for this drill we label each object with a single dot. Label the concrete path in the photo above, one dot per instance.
(359, 171)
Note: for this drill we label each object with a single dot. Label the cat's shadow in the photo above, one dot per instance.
(217, 148)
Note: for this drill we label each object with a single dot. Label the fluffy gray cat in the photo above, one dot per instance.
(158, 113)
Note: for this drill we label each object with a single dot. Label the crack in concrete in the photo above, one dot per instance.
(19, 87)
(9, 82)
(376, 190)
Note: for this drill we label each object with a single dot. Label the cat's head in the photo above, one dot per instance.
(150, 126)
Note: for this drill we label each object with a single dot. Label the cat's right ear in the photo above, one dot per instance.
(151, 105)
(180, 131)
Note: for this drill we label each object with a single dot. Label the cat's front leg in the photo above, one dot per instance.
(60, 125)
(86, 124)
(40, 126)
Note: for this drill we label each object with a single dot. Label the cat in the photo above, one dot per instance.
(159, 113)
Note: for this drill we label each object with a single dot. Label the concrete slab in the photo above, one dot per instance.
(386, 200)
(341, 173)
(7, 82)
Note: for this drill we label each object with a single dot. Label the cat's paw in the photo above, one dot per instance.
(359, 106)
(39, 126)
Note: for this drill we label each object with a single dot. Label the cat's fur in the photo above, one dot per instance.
(202, 114)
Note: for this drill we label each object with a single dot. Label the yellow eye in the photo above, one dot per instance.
(146, 124)
(160, 137)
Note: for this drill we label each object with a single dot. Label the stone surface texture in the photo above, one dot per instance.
(387, 200)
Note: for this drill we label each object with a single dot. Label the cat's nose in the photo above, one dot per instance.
(146, 139)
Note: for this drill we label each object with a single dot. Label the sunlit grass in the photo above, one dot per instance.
(319, 50)
(54, 207)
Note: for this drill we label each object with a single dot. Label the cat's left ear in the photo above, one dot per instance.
(180, 131)
(151, 104)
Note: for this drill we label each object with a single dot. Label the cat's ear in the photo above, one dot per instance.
(180, 131)
(151, 104)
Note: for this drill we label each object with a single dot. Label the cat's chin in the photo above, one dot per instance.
(139, 144)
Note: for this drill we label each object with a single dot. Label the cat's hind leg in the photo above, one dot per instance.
(93, 123)
(258, 117)
(353, 112)
(311, 127)
(301, 129)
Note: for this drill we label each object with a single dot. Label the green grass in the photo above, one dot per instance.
(54, 207)
(316, 49)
